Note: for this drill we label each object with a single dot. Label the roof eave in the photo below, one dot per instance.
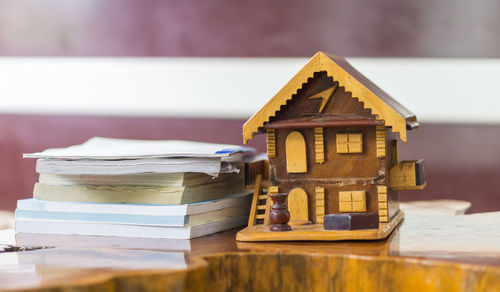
(399, 119)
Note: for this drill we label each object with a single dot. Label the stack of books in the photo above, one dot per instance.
(135, 188)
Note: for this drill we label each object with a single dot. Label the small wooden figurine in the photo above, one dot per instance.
(332, 143)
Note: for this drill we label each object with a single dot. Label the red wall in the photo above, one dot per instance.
(444, 28)
(457, 168)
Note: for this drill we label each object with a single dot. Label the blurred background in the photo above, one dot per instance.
(71, 70)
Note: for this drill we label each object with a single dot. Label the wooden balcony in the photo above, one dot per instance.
(408, 175)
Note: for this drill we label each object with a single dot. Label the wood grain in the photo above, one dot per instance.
(340, 172)
(271, 143)
(426, 253)
(310, 272)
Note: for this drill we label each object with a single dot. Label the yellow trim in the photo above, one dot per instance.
(349, 142)
(410, 188)
(352, 201)
(380, 141)
(320, 204)
(296, 153)
(319, 145)
(369, 99)
(274, 104)
(325, 96)
(273, 190)
(382, 204)
(321, 62)
(271, 143)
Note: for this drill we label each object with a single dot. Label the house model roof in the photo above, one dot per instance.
(383, 106)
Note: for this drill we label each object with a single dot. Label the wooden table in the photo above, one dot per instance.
(434, 249)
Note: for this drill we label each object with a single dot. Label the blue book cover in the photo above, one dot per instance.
(105, 218)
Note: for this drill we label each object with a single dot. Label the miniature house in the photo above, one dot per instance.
(332, 143)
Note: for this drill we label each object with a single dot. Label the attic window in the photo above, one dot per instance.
(350, 143)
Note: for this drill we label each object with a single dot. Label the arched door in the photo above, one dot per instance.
(296, 160)
(298, 207)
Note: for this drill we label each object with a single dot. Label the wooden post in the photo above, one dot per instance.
(279, 214)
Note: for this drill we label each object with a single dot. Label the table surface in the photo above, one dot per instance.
(435, 248)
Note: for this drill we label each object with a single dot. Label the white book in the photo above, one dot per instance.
(134, 219)
(135, 209)
(107, 156)
(154, 220)
(124, 230)
(92, 241)
(110, 148)
(211, 166)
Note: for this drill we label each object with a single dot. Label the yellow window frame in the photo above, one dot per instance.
(349, 142)
(352, 201)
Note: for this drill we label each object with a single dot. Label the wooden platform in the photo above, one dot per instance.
(315, 232)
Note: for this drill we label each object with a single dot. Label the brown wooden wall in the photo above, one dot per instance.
(391, 158)
(462, 161)
(362, 166)
(353, 165)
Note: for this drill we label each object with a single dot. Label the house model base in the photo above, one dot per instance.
(316, 232)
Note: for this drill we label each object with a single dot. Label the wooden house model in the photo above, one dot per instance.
(332, 143)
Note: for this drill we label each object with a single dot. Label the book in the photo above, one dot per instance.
(94, 241)
(143, 215)
(138, 195)
(209, 166)
(136, 209)
(111, 149)
(160, 220)
(108, 156)
(136, 188)
(186, 179)
(38, 226)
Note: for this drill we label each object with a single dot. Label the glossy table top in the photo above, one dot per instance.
(434, 235)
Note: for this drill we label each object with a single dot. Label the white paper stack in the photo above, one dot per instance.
(134, 188)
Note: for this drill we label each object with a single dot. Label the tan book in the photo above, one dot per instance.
(139, 194)
(186, 179)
